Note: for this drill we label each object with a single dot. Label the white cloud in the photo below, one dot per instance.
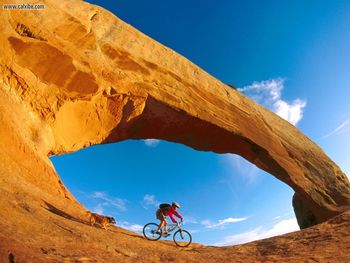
(338, 130)
(98, 209)
(131, 227)
(245, 169)
(222, 222)
(107, 201)
(98, 194)
(151, 142)
(291, 112)
(269, 94)
(206, 222)
(149, 200)
(282, 227)
(194, 231)
(277, 217)
(190, 220)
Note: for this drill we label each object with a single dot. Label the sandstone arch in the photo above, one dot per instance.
(85, 77)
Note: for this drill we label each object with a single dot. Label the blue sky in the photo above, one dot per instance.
(290, 56)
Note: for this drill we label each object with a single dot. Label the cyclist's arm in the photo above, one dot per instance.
(172, 218)
(178, 215)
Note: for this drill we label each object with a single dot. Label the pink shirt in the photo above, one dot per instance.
(171, 212)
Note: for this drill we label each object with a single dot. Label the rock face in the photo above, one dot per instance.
(73, 75)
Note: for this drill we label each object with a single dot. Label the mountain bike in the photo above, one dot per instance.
(181, 237)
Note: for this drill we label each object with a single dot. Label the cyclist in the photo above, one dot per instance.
(167, 210)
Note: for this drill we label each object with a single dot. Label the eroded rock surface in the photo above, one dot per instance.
(73, 75)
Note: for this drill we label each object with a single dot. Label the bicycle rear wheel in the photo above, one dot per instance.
(182, 238)
(150, 232)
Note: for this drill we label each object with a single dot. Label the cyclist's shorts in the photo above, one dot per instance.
(159, 215)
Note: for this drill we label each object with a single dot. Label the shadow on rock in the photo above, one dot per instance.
(59, 212)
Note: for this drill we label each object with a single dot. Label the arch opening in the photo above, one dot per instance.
(225, 198)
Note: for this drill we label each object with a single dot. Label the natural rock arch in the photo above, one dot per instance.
(85, 77)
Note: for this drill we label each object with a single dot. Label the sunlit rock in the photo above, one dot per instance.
(73, 75)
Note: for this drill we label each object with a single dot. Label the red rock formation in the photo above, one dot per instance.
(90, 78)
(73, 75)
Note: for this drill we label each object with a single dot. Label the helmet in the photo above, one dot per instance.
(175, 204)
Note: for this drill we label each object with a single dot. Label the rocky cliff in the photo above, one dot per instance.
(73, 75)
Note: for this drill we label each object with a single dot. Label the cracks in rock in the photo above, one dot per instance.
(47, 250)
(15, 82)
(125, 254)
(92, 18)
(24, 31)
(315, 177)
(110, 92)
(11, 258)
(23, 91)
(64, 228)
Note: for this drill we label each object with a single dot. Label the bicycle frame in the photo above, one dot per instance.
(171, 227)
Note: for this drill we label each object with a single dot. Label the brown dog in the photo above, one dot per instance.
(104, 221)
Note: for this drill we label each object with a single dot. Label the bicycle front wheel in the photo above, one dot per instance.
(182, 238)
(150, 232)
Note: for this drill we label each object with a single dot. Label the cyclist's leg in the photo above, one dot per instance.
(161, 218)
(160, 226)
(165, 224)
